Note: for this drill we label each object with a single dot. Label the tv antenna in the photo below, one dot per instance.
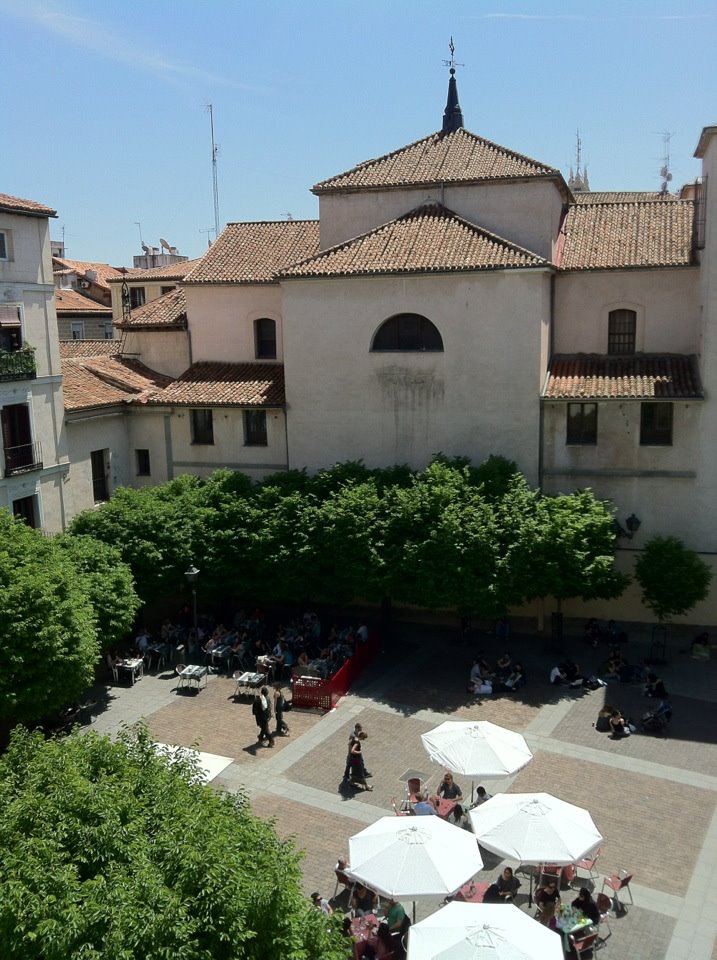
(215, 183)
(452, 62)
(665, 171)
(208, 231)
(141, 238)
(288, 215)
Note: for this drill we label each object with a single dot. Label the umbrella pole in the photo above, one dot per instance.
(530, 895)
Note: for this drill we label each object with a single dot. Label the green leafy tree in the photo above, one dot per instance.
(47, 625)
(110, 852)
(672, 577)
(107, 583)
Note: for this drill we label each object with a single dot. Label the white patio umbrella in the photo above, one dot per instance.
(482, 931)
(477, 748)
(535, 828)
(414, 857)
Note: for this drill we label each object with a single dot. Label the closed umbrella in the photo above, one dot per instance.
(477, 748)
(482, 931)
(414, 857)
(535, 828)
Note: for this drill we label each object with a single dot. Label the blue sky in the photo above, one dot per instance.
(104, 103)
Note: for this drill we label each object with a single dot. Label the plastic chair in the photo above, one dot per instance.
(616, 883)
(583, 945)
(178, 671)
(343, 880)
(399, 813)
(588, 864)
(604, 905)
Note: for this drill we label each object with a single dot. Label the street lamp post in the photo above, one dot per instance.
(191, 573)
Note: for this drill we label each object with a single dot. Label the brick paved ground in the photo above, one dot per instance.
(653, 799)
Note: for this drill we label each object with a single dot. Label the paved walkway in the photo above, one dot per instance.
(654, 800)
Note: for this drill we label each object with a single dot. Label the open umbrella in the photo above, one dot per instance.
(482, 931)
(477, 748)
(414, 857)
(535, 828)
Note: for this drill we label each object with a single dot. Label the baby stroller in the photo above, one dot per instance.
(657, 720)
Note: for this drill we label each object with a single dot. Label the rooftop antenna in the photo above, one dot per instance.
(215, 184)
(208, 231)
(141, 238)
(665, 168)
(288, 215)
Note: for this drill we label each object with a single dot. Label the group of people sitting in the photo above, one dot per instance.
(547, 899)
(505, 676)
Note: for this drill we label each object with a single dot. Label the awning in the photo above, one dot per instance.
(9, 315)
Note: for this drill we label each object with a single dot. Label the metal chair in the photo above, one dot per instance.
(399, 813)
(179, 668)
(604, 905)
(584, 944)
(588, 864)
(617, 882)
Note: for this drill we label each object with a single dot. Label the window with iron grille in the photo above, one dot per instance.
(4, 246)
(255, 428)
(99, 460)
(202, 424)
(26, 508)
(621, 330)
(582, 423)
(656, 424)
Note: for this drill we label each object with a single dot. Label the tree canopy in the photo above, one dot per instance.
(474, 539)
(671, 576)
(111, 852)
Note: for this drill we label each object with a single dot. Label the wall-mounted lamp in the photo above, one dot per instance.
(633, 525)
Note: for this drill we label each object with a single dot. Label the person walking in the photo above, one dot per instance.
(282, 728)
(353, 736)
(358, 770)
(261, 709)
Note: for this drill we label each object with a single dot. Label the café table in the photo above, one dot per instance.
(194, 673)
(247, 681)
(134, 666)
(363, 930)
(569, 921)
(472, 892)
(221, 653)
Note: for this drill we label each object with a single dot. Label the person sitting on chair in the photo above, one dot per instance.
(423, 807)
(655, 687)
(504, 889)
(363, 901)
(448, 789)
(585, 903)
(547, 894)
(481, 796)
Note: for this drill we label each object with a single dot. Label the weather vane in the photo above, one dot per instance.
(452, 62)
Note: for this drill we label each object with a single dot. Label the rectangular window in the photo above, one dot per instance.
(265, 333)
(621, 331)
(77, 329)
(582, 423)
(108, 330)
(100, 460)
(142, 457)
(26, 508)
(136, 297)
(4, 246)
(656, 424)
(202, 426)
(10, 326)
(255, 428)
(163, 290)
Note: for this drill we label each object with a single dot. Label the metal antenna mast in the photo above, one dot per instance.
(208, 231)
(215, 184)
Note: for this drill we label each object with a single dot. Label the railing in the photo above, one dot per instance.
(23, 458)
(313, 692)
(18, 364)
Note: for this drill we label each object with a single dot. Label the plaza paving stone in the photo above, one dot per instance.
(654, 800)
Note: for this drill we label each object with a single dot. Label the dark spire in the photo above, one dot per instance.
(452, 115)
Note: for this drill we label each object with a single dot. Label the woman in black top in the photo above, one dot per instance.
(585, 903)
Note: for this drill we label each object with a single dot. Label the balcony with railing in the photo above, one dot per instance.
(23, 458)
(18, 364)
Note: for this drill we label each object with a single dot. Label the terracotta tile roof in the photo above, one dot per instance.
(622, 196)
(458, 157)
(176, 271)
(429, 239)
(642, 377)
(102, 381)
(652, 233)
(30, 207)
(103, 270)
(226, 384)
(72, 301)
(73, 349)
(168, 312)
(254, 252)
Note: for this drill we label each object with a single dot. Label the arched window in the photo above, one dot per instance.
(407, 331)
(265, 339)
(621, 331)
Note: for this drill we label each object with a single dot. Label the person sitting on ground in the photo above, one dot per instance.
(585, 903)
(515, 679)
(655, 687)
(363, 901)
(482, 796)
(613, 665)
(479, 681)
(547, 894)
(423, 807)
(618, 725)
(700, 648)
(448, 789)
(504, 889)
(602, 724)
(321, 903)
(504, 665)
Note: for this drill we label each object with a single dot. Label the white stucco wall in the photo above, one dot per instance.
(666, 303)
(166, 351)
(102, 431)
(478, 397)
(526, 212)
(221, 320)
